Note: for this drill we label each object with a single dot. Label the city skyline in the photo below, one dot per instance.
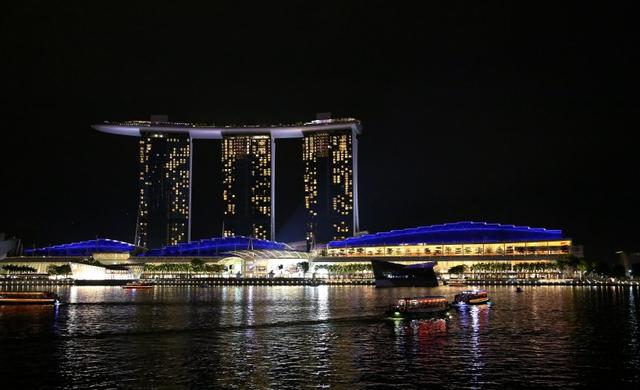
(498, 118)
(353, 195)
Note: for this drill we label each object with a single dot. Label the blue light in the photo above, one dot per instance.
(452, 233)
(216, 246)
(83, 248)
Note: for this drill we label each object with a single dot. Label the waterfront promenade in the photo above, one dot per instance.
(220, 281)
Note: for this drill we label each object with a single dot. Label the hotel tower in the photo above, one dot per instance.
(247, 181)
(248, 177)
(164, 199)
(330, 185)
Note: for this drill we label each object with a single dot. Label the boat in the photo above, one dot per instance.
(389, 274)
(457, 283)
(28, 298)
(519, 289)
(417, 307)
(137, 286)
(471, 297)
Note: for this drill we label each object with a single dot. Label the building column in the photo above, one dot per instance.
(273, 188)
(190, 186)
(354, 157)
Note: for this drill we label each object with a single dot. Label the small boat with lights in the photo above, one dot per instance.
(471, 297)
(28, 298)
(418, 307)
(137, 286)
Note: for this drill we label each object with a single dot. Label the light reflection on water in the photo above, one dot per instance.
(293, 337)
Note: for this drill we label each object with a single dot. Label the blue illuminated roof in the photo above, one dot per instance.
(83, 248)
(452, 233)
(216, 247)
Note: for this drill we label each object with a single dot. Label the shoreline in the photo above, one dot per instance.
(214, 282)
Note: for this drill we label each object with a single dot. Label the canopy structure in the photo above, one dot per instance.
(206, 131)
(83, 248)
(218, 246)
(270, 254)
(452, 233)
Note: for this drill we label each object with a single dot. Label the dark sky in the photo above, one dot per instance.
(471, 111)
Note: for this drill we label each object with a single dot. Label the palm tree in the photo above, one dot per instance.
(458, 269)
(197, 265)
(304, 267)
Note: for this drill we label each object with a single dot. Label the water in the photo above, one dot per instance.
(309, 337)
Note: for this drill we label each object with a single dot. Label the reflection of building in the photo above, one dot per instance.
(330, 184)
(248, 186)
(452, 244)
(164, 200)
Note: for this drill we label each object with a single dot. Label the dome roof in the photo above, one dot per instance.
(452, 233)
(216, 246)
(83, 248)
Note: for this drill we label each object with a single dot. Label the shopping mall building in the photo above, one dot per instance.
(453, 244)
(450, 244)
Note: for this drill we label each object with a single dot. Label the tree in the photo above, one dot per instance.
(573, 261)
(458, 269)
(214, 268)
(345, 268)
(18, 268)
(92, 261)
(584, 267)
(618, 271)
(304, 267)
(197, 265)
(52, 269)
(562, 263)
(602, 269)
(64, 269)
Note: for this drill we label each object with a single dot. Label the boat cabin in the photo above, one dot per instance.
(420, 302)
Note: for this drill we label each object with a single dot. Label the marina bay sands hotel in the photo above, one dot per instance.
(329, 153)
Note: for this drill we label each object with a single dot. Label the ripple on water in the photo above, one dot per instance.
(311, 337)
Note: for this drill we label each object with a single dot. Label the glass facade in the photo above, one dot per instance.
(164, 200)
(452, 233)
(247, 186)
(330, 185)
(507, 249)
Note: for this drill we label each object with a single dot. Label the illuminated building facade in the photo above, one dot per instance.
(247, 171)
(330, 185)
(248, 157)
(164, 199)
(460, 243)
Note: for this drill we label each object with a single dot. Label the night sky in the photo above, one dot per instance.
(470, 112)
